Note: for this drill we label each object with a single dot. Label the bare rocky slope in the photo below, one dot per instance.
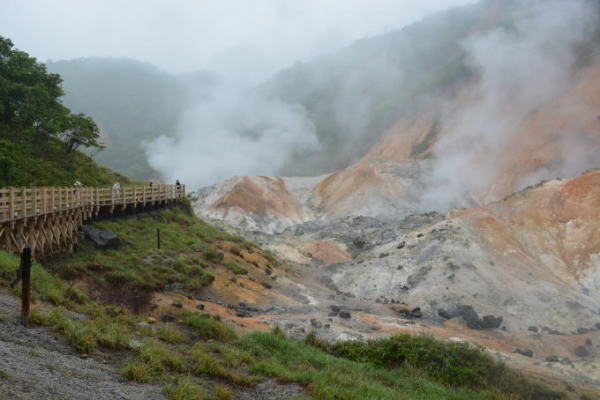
(499, 263)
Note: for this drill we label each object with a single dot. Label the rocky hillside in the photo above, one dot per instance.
(399, 174)
(474, 206)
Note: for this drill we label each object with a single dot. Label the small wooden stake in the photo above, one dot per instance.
(26, 285)
(157, 238)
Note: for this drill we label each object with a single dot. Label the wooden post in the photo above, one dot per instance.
(157, 238)
(24, 201)
(11, 199)
(43, 205)
(26, 285)
(34, 201)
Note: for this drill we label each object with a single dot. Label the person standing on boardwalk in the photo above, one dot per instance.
(117, 190)
(77, 186)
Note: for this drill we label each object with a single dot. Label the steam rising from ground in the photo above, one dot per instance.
(524, 63)
(521, 67)
(235, 132)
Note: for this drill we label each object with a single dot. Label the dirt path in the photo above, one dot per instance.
(36, 364)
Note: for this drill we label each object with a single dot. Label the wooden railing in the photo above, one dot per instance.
(20, 203)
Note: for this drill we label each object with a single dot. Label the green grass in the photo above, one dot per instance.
(45, 285)
(26, 164)
(128, 275)
(193, 356)
(331, 377)
(184, 388)
(103, 330)
(181, 355)
(453, 364)
(208, 327)
(235, 268)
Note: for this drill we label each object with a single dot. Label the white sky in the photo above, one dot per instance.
(244, 39)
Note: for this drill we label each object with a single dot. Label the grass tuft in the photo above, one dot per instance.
(208, 327)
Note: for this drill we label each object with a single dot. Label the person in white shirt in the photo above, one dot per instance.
(117, 191)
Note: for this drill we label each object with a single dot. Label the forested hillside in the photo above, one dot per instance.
(40, 138)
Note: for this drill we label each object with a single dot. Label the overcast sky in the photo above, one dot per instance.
(245, 39)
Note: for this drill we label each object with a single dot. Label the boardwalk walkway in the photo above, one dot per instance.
(48, 218)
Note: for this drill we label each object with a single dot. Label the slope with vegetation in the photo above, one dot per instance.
(196, 355)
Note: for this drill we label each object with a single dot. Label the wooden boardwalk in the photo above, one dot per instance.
(48, 219)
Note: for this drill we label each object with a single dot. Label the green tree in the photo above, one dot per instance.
(80, 130)
(29, 95)
(30, 106)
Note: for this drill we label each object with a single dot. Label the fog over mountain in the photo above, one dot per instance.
(244, 44)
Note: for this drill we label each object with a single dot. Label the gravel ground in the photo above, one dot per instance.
(270, 389)
(35, 364)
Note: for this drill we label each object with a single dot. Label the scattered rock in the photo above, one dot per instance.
(266, 285)
(566, 361)
(177, 305)
(444, 314)
(345, 315)
(335, 309)
(316, 324)
(583, 331)
(526, 352)
(102, 239)
(383, 255)
(552, 359)
(408, 312)
(200, 307)
(401, 245)
(268, 271)
(551, 331)
(533, 329)
(582, 351)
(588, 341)
(491, 322)
(420, 235)
(471, 318)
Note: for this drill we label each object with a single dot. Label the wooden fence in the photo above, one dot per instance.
(48, 218)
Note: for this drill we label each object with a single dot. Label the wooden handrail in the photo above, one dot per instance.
(20, 203)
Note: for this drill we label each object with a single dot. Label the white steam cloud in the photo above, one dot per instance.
(520, 68)
(235, 132)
